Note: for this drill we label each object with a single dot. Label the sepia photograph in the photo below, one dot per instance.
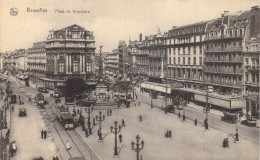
(129, 79)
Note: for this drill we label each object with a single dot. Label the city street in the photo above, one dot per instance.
(250, 133)
(186, 138)
(26, 131)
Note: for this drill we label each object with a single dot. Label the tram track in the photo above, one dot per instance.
(82, 148)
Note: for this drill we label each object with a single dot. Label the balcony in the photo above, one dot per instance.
(252, 84)
(223, 60)
(223, 71)
(222, 49)
(253, 68)
(223, 37)
(224, 84)
(70, 45)
(88, 39)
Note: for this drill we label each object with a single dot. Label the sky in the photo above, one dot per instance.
(110, 20)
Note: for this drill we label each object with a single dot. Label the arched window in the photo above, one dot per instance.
(61, 67)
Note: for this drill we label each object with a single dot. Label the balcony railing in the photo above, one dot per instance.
(222, 49)
(253, 68)
(222, 71)
(223, 37)
(224, 60)
(230, 84)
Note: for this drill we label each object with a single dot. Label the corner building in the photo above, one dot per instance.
(69, 52)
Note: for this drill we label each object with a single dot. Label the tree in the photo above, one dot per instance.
(73, 87)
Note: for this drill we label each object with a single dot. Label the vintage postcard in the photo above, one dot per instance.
(129, 79)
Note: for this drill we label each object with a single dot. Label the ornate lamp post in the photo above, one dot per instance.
(89, 110)
(115, 132)
(100, 119)
(137, 149)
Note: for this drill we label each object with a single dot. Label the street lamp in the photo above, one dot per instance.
(115, 132)
(137, 149)
(100, 119)
(89, 110)
(207, 108)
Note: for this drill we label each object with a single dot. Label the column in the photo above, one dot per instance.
(80, 63)
(84, 64)
(55, 64)
(162, 65)
(67, 63)
(70, 63)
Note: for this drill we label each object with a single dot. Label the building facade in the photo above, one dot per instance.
(141, 58)
(37, 61)
(251, 64)
(69, 52)
(157, 56)
(185, 55)
(112, 64)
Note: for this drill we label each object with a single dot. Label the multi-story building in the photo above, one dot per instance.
(69, 52)
(141, 58)
(185, 55)
(37, 61)
(112, 63)
(157, 56)
(251, 63)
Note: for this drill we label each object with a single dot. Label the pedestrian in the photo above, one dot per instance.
(12, 108)
(107, 112)
(86, 132)
(183, 117)
(140, 118)
(196, 122)
(68, 147)
(141, 157)
(111, 128)
(179, 114)
(119, 127)
(42, 133)
(120, 137)
(123, 123)
(237, 139)
(110, 112)
(170, 133)
(45, 134)
(139, 103)
(165, 134)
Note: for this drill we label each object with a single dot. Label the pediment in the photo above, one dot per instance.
(75, 27)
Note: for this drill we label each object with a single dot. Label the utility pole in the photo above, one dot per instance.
(89, 110)
(166, 93)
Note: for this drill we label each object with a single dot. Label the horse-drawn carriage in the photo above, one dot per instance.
(230, 117)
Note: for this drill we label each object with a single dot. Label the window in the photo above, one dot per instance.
(200, 49)
(194, 60)
(188, 60)
(174, 60)
(188, 50)
(179, 60)
(75, 66)
(61, 67)
(179, 51)
(195, 39)
(183, 60)
(170, 60)
(88, 67)
(200, 60)
(194, 50)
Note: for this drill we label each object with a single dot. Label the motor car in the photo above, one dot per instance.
(22, 112)
(170, 108)
(56, 94)
(43, 90)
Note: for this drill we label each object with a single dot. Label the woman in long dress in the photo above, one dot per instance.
(68, 145)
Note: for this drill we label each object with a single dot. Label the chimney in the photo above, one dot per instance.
(226, 13)
(174, 27)
(140, 37)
